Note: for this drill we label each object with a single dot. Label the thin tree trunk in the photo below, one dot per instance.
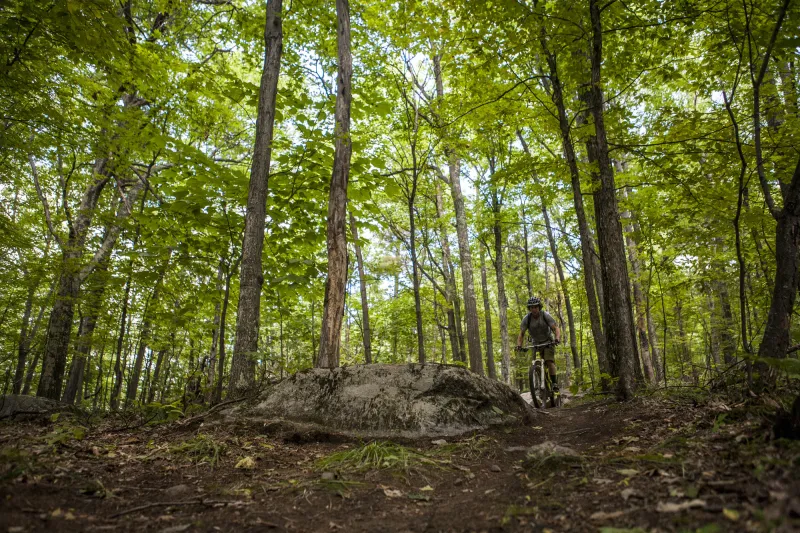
(527, 251)
(638, 296)
(618, 317)
(330, 338)
(121, 336)
(24, 342)
(573, 344)
(223, 319)
(453, 310)
(487, 311)
(502, 300)
(365, 331)
(470, 301)
(247, 320)
(212, 355)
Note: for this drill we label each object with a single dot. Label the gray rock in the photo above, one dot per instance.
(495, 468)
(328, 476)
(385, 401)
(548, 449)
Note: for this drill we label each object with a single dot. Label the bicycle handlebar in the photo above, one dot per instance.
(537, 346)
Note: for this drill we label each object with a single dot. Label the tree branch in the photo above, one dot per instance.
(43, 198)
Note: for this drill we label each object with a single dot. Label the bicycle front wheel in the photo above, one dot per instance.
(533, 379)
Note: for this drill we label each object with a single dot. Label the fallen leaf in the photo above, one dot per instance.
(246, 463)
(632, 449)
(601, 481)
(669, 507)
(731, 514)
(627, 493)
(426, 488)
(600, 515)
(628, 472)
(392, 493)
(439, 442)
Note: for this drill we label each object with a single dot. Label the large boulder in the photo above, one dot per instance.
(383, 401)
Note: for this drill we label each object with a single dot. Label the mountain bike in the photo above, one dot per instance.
(539, 378)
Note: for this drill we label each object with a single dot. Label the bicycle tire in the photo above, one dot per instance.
(532, 381)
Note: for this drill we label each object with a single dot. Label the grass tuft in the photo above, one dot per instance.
(201, 449)
(378, 455)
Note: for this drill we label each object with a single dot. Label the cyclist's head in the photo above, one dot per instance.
(534, 303)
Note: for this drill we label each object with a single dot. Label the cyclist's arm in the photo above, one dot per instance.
(557, 332)
(519, 338)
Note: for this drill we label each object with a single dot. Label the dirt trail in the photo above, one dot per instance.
(655, 465)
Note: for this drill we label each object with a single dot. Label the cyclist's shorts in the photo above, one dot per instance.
(548, 354)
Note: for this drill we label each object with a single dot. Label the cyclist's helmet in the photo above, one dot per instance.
(534, 302)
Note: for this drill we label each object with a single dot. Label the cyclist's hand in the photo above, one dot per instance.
(517, 348)
(557, 342)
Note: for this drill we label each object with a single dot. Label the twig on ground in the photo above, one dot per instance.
(196, 501)
(582, 430)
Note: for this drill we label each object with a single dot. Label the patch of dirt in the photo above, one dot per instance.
(651, 464)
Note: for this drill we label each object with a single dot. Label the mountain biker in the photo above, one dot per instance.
(541, 327)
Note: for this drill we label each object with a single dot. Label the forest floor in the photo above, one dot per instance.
(677, 463)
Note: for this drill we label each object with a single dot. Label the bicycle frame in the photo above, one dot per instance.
(539, 378)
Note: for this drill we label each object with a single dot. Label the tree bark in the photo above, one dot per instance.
(121, 336)
(638, 296)
(502, 300)
(487, 311)
(787, 277)
(330, 338)
(223, 320)
(212, 354)
(527, 252)
(93, 303)
(573, 344)
(365, 330)
(454, 306)
(470, 301)
(587, 247)
(243, 364)
(618, 326)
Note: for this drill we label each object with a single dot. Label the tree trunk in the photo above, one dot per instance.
(328, 356)
(212, 354)
(618, 326)
(573, 344)
(638, 296)
(502, 300)
(121, 336)
(252, 278)
(487, 311)
(94, 303)
(787, 279)
(587, 247)
(527, 251)
(470, 302)
(454, 308)
(365, 331)
(24, 342)
(223, 319)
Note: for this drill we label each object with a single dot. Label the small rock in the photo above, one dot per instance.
(495, 468)
(328, 476)
(178, 491)
(459, 481)
(547, 448)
